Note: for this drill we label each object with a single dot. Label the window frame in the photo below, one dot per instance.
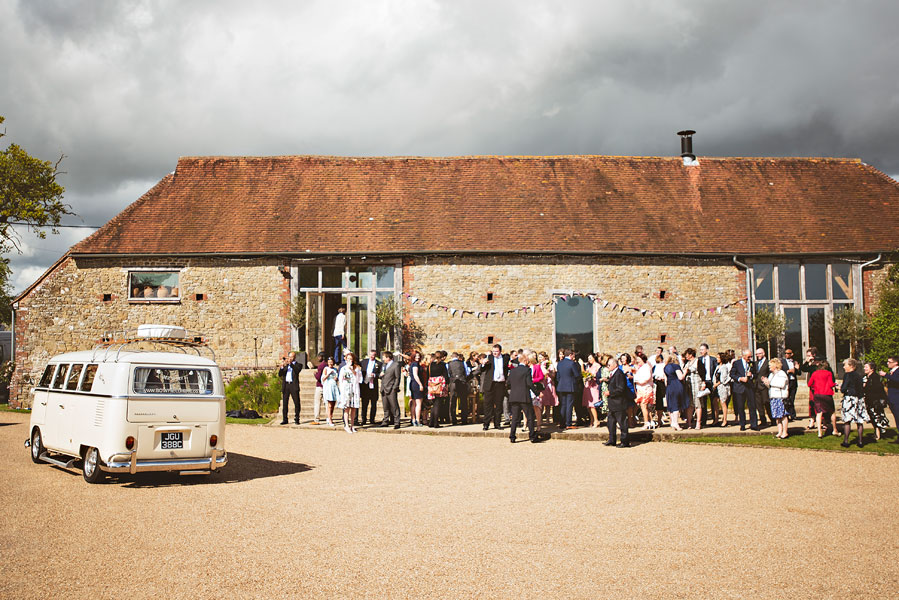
(175, 299)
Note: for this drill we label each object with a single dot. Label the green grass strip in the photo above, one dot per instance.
(808, 440)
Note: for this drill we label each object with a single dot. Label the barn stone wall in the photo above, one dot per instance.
(66, 312)
(689, 285)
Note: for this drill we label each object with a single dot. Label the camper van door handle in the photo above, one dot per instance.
(61, 406)
(43, 404)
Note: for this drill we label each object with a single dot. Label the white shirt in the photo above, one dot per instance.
(498, 374)
(340, 324)
(368, 373)
(658, 370)
(707, 361)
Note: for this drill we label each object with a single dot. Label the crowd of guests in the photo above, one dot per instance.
(689, 389)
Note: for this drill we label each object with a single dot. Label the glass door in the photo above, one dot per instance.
(315, 324)
(360, 323)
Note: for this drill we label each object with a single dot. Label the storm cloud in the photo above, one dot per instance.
(125, 88)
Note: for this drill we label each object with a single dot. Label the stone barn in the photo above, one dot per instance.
(590, 252)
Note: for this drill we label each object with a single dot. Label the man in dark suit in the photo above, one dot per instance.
(520, 385)
(619, 400)
(891, 377)
(706, 371)
(762, 402)
(494, 375)
(290, 386)
(567, 375)
(390, 387)
(791, 366)
(742, 374)
(458, 387)
(368, 389)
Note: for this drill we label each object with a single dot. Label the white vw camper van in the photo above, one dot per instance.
(141, 401)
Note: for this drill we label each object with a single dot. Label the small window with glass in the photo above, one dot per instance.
(158, 286)
(47, 377)
(60, 377)
(74, 376)
(87, 383)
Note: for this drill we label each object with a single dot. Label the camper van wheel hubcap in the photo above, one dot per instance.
(36, 444)
(90, 462)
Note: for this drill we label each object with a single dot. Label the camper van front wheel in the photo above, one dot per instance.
(91, 466)
(37, 446)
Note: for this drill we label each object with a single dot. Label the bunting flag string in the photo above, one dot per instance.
(603, 304)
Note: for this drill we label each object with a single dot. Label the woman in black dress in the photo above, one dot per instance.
(875, 400)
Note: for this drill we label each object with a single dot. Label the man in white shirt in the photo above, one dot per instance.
(339, 333)
(707, 365)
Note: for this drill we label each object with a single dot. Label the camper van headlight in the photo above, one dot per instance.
(129, 442)
(213, 440)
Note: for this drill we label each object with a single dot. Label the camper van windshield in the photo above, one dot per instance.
(161, 380)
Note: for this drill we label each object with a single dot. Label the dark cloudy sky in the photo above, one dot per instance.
(125, 88)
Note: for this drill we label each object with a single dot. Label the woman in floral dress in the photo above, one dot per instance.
(645, 388)
(854, 409)
(348, 379)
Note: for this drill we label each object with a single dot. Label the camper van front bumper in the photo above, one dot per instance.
(123, 463)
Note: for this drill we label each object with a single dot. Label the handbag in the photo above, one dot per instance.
(436, 387)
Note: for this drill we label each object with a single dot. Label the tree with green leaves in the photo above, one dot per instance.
(852, 325)
(29, 196)
(884, 321)
(768, 326)
(388, 319)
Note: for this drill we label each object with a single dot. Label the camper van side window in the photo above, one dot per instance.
(47, 376)
(60, 377)
(74, 375)
(88, 383)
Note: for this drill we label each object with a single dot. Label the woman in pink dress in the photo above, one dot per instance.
(591, 389)
(548, 398)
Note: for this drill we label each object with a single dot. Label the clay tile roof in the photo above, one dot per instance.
(596, 204)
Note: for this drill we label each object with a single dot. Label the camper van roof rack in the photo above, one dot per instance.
(182, 340)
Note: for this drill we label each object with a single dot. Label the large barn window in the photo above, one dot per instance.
(808, 295)
(153, 285)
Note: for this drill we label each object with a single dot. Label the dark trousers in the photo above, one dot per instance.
(619, 418)
(493, 404)
(369, 403)
(339, 345)
(711, 397)
(436, 408)
(744, 398)
(566, 402)
(286, 395)
(790, 400)
(390, 407)
(516, 410)
(458, 398)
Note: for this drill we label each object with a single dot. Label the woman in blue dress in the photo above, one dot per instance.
(674, 390)
(416, 389)
(329, 388)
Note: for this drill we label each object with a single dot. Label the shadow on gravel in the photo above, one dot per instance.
(241, 467)
(5, 424)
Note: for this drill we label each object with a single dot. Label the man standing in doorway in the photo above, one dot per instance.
(371, 371)
(290, 386)
(567, 374)
(339, 333)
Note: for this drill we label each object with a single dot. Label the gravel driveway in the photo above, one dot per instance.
(305, 513)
